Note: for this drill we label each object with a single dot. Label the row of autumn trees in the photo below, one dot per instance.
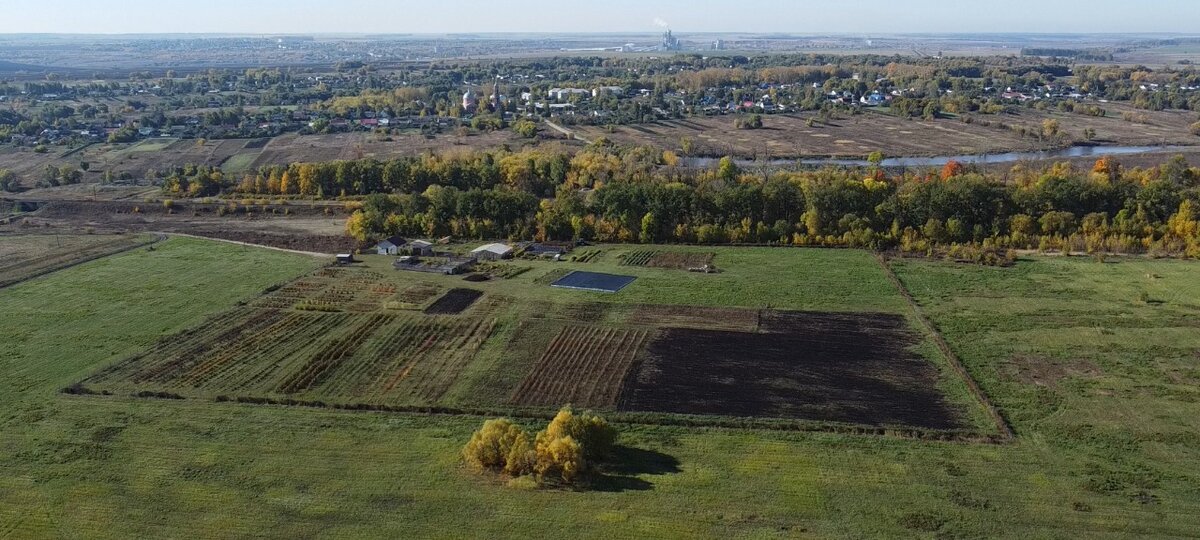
(1103, 209)
(608, 193)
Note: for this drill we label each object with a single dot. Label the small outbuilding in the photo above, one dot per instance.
(492, 252)
(345, 258)
(421, 248)
(391, 246)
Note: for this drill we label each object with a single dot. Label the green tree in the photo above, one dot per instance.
(727, 169)
(525, 128)
(688, 145)
(8, 180)
(649, 233)
(1058, 223)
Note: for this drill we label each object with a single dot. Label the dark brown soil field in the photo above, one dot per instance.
(853, 368)
(455, 301)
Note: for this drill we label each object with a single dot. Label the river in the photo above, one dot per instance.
(938, 161)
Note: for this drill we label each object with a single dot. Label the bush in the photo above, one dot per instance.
(922, 521)
(525, 128)
(500, 445)
(561, 452)
(754, 121)
(561, 457)
(594, 433)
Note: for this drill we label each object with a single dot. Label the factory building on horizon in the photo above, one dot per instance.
(670, 42)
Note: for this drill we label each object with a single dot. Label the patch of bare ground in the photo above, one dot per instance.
(744, 320)
(680, 260)
(1046, 372)
(455, 301)
(314, 243)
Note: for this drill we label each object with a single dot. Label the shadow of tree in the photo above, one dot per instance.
(620, 472)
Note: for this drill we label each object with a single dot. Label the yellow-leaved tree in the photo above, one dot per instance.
(561, 452)
(562, 458)
(592, 432)
(500, 445)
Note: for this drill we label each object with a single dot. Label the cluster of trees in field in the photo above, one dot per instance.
(570, 446)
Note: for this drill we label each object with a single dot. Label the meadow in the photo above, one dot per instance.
(1105, 450)
(30, 255)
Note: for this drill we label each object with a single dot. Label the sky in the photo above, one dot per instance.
(462, 16)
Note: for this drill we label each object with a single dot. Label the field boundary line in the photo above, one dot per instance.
(547, 413)
(158, 237)
(1006, 430)
(248, 244)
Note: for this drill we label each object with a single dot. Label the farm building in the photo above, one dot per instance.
(345, 258)
(420, 248)
(492, 252)
(437, 265)
(547, 249)
(391, 246)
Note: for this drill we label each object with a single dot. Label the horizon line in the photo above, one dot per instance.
(608, 32)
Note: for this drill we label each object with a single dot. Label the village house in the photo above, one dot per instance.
(391, 246)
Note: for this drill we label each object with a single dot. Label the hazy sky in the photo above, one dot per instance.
(439, 16)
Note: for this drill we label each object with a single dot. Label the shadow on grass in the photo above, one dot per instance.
(621, 471)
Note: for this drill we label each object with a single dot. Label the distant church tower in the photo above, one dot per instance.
(470, 103)
(496, 95)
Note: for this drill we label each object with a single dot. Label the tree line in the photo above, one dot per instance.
(609, 193)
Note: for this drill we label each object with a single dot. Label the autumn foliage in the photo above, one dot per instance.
(952, 169)
(569, 446)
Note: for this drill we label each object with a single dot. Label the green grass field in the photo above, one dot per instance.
(152, 145)
(239, 163)
(1103, 451)
(25, 256)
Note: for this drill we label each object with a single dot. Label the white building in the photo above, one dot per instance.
(492, 252)
(391, 246)
(562, 94)
(614, 90)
